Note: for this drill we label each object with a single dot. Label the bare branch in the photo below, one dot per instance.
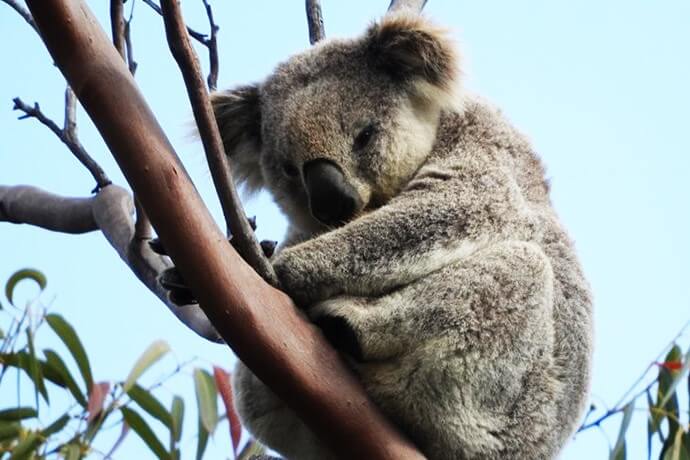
(128, 45)
(111, 212)
(198, 36)
(22, 11)
(67, 137)
(212, 79)
(260, 322)
(23, 204)
(142, 226)
(315, 21)
(413, 5)
(70, 124)
(242, 233)
(117, 26)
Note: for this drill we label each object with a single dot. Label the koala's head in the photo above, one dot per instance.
(341, 128)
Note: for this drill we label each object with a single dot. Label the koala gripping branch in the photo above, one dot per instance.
(259, 322)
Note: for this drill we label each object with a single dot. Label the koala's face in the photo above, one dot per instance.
(340, 129)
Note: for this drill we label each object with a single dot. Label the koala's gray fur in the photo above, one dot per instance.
(454, 291)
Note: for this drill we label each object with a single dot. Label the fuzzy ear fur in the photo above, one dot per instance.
(238, 114)
(410, 49)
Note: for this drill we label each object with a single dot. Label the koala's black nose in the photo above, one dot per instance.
(332, 199)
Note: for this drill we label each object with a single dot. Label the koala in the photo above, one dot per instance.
(421, 240)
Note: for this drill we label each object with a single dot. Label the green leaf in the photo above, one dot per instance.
(619, 451)
(56, 426)
(72, 452)
(677, 375)
(25, 447)
(20, 275)
(251, 449)
(22, 360)
(9, 431)
(676, 450)
(20, 413)
(69, 337)
(150, 404)
(153, 353)
(177, 417)
(57, 365)
(140, 427)
(34, 369)
(202, 441)
(207, 399)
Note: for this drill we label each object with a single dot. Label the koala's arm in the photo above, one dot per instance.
(431, 224)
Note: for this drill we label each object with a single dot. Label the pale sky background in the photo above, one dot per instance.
(601, 88)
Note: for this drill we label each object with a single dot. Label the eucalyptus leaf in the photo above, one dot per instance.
(141, 428)
(207, 399)
(69, 337)
(20, 275)
(153, 353)
(619, 449)
(150, 404)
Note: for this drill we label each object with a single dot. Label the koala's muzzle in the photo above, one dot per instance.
(332, 199)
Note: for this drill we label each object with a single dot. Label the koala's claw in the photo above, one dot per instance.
(268, 247)
(180, 294)
(157, 246)
(341, 335)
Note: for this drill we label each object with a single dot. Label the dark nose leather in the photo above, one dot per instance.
(332, 199)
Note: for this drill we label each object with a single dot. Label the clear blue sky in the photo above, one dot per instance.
(601, 88)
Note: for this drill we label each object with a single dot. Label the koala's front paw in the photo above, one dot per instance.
(341, 320)
(171, 279)
(294, 278)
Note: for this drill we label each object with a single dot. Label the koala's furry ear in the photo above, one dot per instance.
(411, 49)
(238, 114)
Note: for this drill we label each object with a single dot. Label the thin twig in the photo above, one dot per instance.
(123, 44)
(131, 63)
(23, 12)
(68, 137)
(626, 398)
(198, 36)
(315, 21)
(243, 235)
(117, 26)
(212, 78)
(142, 226)
(415, 6)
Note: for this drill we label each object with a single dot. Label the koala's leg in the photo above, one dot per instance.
(463, 357)
(271, 421)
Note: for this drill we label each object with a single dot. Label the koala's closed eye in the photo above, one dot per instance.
(364, 137)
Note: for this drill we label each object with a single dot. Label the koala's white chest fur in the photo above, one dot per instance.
(424, 246)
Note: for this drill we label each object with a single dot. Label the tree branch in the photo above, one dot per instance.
(22, 12)
(212, 79)
(117, 26)
(111, 212)
(261, 323)
(24, 204)
(315, 21)
(242, 233)
(67, 135)
(413, 5)
(198, 36)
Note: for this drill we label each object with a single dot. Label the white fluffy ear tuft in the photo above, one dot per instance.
(412, 50)
(238, 114)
